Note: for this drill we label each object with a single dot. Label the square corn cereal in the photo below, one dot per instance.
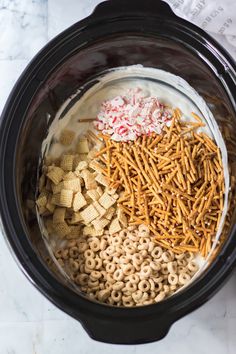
(73, 184)
(99, 224)
(97, 232)
(79, 201)
(90, 231)
(102, 180)
(55, 174)
(66, 197)
(59, 215)
(99, 208)
(114, 226)
(68, 176)
(61, 229)
(56, 199)
(75, 218)
(89, 179)
(87, 230)
(42, 200)
(50, 207)
(109, 214)
(67, 162)
(89, 214)
(66, 137)
(82, 165)
(122, 217)
(82, 146)
(93, 194)
(106, 201)
(75, 232)
(56, 188)
(96, 166)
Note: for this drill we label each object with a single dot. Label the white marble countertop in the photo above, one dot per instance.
(29, 324)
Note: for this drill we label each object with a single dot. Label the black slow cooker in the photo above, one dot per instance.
(117, 33)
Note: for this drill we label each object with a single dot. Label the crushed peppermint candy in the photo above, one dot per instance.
(128, 116)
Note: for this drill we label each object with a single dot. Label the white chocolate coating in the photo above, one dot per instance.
(170, 89)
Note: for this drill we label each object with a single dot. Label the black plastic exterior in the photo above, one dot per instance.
(104, 323)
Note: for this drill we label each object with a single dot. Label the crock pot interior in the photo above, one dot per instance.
(112, 52)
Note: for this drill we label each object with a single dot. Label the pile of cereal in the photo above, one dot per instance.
(126, 268)
(75, 197)
(129, 206)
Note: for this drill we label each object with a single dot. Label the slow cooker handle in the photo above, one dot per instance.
(117, 8)
(126, 330)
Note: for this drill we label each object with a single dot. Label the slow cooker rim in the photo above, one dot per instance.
(11, 232)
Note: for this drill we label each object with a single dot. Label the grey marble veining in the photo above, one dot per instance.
(76, 11)
(29, 324)
(23, 28)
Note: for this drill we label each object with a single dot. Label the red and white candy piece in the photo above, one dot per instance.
(128, 116)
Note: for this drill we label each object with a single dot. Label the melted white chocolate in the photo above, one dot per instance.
(170, 89)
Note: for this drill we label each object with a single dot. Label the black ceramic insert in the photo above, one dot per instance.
(118, 33)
